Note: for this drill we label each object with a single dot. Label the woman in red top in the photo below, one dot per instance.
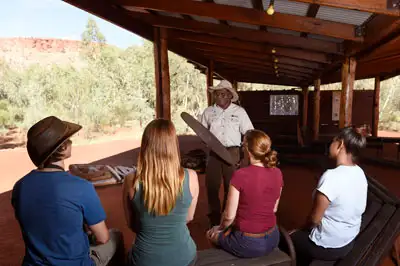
(248, 224)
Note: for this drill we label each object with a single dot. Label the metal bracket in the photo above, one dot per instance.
(393, 4)
(360, 31)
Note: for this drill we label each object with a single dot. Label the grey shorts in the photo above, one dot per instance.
(102, 254)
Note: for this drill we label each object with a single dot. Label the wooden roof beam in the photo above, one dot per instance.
(249, 46)
(229, 62)
(311, 13)
(248, 67)
(262, 79)
(372, 6)
(244, 59)
(220, 21)
(204, 48)
(278, 39)
(249, 16)
(379, 31)
(258, 5)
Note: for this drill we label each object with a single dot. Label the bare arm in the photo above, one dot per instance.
(100, 231)
(232, 203)
(194, 190)
(277, 201)
(320, 204)
(127, 196)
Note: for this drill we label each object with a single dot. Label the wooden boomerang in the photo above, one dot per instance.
(209, 138)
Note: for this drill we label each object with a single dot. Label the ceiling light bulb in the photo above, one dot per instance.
(270, 10)
(276, 67)
(273, 50)
(276, 60)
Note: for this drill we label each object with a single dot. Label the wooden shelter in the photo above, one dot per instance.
(297, 43)
(303, 43)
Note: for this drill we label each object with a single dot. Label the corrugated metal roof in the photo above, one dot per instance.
(288, 32)
(348, 16)
(243, 25)
(241, 3)
(205, 19)
(325, 38)
(288, 7)
(168, 14)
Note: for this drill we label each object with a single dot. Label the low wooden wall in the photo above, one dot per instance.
(257, 104)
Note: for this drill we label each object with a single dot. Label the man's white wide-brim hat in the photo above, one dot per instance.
(224, 84)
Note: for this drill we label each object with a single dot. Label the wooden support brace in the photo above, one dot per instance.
(305, 107)
(163, 96)
(346, 99)
(210, 81)
(317, 103)
(375, 113)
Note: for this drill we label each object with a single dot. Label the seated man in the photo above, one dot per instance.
(339, 201)
(53, 206)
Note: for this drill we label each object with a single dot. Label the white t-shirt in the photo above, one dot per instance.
(227, 125)
(346, 188)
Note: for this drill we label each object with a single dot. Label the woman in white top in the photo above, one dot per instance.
(338, 204)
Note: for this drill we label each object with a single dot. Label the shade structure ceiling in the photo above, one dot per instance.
(303, 40)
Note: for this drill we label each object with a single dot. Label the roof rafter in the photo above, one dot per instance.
(373, 6)
(249, 16)
(207, 49)
(263, 49)
(240, 33)
(226, 63)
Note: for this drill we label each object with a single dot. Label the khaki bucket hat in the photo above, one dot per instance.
(224, 84)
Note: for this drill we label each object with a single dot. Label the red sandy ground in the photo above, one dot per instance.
(295, 202)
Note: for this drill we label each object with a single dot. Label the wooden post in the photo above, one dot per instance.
(375, 113)
(163, 96)
(210, 80)
(305, 108)
(317, 102)
(235, 85)
(346, 99)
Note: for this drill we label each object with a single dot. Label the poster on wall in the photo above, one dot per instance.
(335, 105)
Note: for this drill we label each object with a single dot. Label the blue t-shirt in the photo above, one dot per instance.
(51, 208)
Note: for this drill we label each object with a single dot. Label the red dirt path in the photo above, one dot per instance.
(295, 202)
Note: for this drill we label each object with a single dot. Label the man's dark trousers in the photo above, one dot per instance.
(217, 170)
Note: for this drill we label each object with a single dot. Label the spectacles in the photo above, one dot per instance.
(222, 94)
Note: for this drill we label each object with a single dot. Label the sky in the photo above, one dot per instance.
(56, 19)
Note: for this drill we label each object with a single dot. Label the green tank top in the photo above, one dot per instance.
(163, 240)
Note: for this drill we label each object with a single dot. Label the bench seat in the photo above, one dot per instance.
(218, 257)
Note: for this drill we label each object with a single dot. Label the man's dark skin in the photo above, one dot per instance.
(223, 98)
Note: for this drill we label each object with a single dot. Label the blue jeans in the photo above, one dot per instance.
(240, 245)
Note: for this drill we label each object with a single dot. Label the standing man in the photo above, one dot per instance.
(228, 122)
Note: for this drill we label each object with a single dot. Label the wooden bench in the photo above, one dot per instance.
(218, 257)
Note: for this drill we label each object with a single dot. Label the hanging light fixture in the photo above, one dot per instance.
(275, 66)
(276, 60)
(270, 10)
(273, 50)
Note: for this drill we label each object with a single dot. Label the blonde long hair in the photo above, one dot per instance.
(159, 167)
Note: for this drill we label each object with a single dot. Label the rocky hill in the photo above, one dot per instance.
(22, 52)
